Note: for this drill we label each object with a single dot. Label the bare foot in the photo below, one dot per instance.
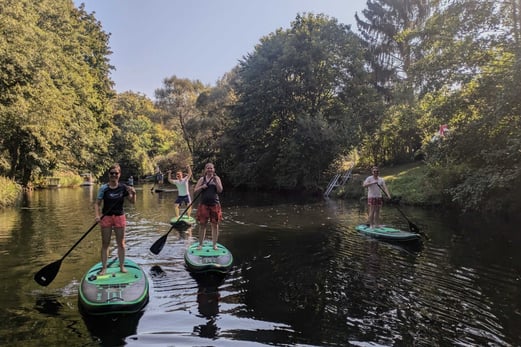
(102, 272)
(122, 269)
(199, 247)
(215, 248)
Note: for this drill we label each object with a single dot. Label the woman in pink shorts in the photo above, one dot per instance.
(112, 217)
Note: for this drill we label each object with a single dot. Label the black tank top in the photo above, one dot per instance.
(209, 195)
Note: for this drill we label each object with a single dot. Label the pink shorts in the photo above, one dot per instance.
(113, 221)
(205, 212)
(375, 201)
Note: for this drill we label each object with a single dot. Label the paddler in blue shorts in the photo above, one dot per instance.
(183, 190)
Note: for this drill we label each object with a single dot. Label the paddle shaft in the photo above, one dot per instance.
(81, 238)
(47, 274)
(160, 243)
(412, 226)
(190, 205)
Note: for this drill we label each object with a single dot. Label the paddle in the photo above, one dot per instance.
(47, 274)
(412, 227)
(180, 225)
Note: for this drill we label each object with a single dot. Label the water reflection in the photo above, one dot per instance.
(112, 330)
(48, 304)
(208, 302)
(302, 275)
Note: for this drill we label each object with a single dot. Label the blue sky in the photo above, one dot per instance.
(196, 39)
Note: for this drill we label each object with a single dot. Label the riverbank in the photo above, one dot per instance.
(9, 192)
(410, 182)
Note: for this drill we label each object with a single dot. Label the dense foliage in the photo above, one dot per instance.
(54, 88)
(305, 100)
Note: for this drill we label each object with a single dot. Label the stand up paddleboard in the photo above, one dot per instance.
(115, 292)
(207, 259)
(388, 234)
(187, 219)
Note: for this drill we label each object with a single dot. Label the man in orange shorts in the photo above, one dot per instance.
(209, 209)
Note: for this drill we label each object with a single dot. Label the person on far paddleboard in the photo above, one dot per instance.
(374, 185)
(209, 208)
(112, 195)
(183, 190)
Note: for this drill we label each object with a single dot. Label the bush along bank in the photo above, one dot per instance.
(9, 192)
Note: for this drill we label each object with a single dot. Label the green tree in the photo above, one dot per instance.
(302, 99)
(210, 128)
(55, 87)
(389, 31)
(135, 138)
(177, 99)
(474, 59)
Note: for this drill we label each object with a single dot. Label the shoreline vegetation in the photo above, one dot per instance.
(9, 192)
(409, 182)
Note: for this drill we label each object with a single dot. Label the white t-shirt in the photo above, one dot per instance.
(373, 191)
(182, 186)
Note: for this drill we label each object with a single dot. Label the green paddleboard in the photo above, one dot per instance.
(114, 292)
(384, 232)
(187, 219)
(208, 259)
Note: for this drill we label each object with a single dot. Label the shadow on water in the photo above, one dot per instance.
(208, 302)
(112, 330)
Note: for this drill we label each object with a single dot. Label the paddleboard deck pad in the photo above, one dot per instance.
(187, 219)
(388, 233)
(208, 259)
(115, 292)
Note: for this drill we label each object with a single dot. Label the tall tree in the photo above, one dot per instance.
(177, 99)
(472, 73)
(55, 87)
(389, 32)
(302, 96)
(136, 140)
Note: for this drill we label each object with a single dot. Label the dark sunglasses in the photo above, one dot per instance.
(114, 173)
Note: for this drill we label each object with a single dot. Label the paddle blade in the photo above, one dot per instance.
(158, 245)
(47, 274)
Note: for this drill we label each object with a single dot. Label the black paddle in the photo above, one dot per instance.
(180, 225)
(47, 274)
(412, 227)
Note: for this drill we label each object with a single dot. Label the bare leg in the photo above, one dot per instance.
(215, 234)
(120, 239)
(371, 213)
(176, 210)
(105, 243)
(376, 218)
(202, 234)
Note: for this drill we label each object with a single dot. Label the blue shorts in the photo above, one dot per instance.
(182, 198)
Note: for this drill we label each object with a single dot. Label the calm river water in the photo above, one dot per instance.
(302, 276)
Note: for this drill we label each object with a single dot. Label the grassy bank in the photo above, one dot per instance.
(9, 192)
(411, 182)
